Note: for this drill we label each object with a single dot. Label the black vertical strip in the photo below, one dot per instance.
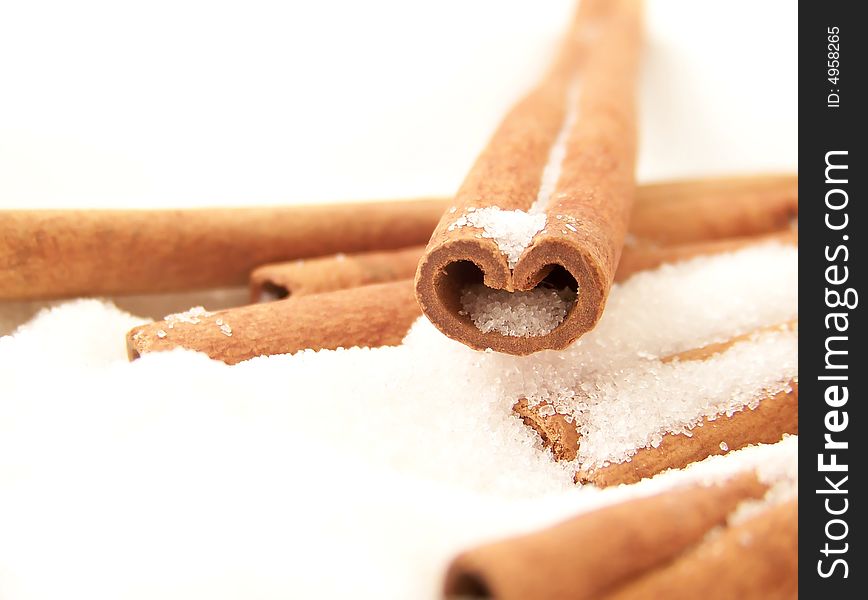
(831, 328)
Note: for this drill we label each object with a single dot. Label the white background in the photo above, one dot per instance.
(187, 102)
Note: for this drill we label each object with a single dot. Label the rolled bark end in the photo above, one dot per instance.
(279, 281)
(268, 291)
(468, 584)
(446, 271)
(367, 316)
(556, 432)
(132, 352)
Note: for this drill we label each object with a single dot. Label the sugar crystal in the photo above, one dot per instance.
(519, 314)
(512, 230)
(192, 316)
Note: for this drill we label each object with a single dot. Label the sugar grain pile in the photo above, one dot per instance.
(520, 314)
(512, 230)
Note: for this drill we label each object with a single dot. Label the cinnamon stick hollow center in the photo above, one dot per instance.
(525, 258)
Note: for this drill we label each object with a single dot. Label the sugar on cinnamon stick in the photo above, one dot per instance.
(564, 158)
(57, 253)
(375, 315)
(775, 416)
(588, 555)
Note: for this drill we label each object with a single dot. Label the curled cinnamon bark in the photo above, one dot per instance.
(715, 208)
(317, 275)
(586, 556)
(375, 315)
(556, 432)
(565, 155)
(57, 253)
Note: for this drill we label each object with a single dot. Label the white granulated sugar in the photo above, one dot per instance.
(176, 476)
(782, 477)
(724, 446)
(519, 314)
(546, 410)
(192, 316)
(57, 334)
(225, 329)
(512, 230)
(618, 412)
(155, 476)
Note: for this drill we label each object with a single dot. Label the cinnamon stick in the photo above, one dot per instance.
(565, 154)
(313, 276)
(55, 253)
(585, 556)
(774, 416)
(375, 315)
(757, 559)
(715, 208)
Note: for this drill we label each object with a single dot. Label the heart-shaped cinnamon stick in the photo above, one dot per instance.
(525, 258)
